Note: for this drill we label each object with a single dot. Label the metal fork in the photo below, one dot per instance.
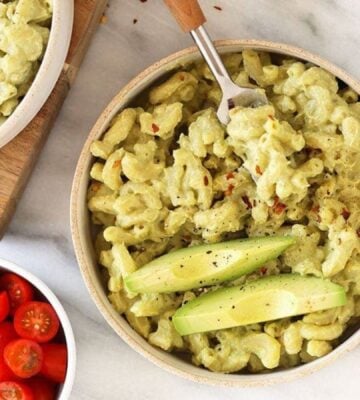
(191, 19)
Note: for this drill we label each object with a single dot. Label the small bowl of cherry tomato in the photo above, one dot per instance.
(37, 345)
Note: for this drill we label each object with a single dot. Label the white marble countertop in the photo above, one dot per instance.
(39, 236)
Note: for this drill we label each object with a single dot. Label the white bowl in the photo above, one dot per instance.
(48, 74)
(83, 240)
(65, 389)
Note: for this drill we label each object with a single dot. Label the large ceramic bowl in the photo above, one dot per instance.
(65, 389)
(81, 227)
(48, 74)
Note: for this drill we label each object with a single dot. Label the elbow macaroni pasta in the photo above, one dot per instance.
(169, 175)
(24, 34)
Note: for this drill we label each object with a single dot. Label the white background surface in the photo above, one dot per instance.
(39, 236)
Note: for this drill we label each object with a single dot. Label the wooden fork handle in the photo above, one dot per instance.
(187, 13)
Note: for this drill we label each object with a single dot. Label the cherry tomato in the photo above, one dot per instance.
(37, 321)
(18, 289)
(15, 391)
(4, 306)
(7, 334)
(23, 357)
(54, 362)
(43, 389)
(5, 372)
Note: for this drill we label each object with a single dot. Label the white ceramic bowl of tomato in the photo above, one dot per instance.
(37, 345)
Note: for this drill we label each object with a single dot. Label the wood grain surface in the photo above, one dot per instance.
(187, 13)
(18, 158)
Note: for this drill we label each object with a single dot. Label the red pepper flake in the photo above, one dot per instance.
(258, 170)
(135, 21)
(271, 117)
(358, 232)
(116, 164)
(278, 207)
(315, 210)
(155, 128)
(181, 77)
(263, 270)
(346, 214)
(206, 180)
(247, 202)
(218, 8)
(229, 190)
(186, 238)
(230, 175)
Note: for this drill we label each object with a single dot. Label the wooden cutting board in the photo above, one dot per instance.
(18, 158)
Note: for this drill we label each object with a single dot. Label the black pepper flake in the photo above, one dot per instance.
(215, 264)
(231, 103)
(218, 8)
(181, 266)
(209, 252)
(135, 21)
(232, 307)
(201, 282)
(247, 202)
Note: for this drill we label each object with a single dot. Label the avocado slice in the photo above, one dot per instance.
(204, 265)
(264, 299)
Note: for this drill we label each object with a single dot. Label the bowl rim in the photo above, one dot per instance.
(47, 75)
(64, 321)
(134, 340)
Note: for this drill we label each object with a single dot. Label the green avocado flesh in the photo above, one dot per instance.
(264, 299)
(205, 265)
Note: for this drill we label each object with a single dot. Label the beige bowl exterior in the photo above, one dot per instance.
(81, 229)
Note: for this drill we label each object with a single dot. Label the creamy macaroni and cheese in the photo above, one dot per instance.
(24, 33)
(168, 175)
